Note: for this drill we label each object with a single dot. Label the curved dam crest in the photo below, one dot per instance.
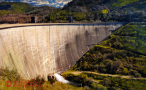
(50, 48)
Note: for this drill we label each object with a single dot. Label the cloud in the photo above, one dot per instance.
(2, 0)
(55, 3)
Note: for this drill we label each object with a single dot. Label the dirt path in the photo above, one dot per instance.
(110, 75)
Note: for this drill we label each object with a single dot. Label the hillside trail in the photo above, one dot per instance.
(110, 75)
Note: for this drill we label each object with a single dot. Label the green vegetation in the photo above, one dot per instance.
(13, 76)
(22, 7)
(2, 12)
(120, 3)
(130, 37)
(106, 82)
(123, 53)
(15, 8)
(64, 15)
(104, 10)
(10, 75)
(17, 12)
(83, 11)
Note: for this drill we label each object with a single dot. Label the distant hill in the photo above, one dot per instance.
(93, 5)
(16, 7)
(42, 10)
(104, 10)
(82, 11)
(17, 12)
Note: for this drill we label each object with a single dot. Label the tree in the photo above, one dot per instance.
(98, 86)
(104, 11)
(125, 70)
(85, 64)
(79, 16)
(106, 82)
(143, 72)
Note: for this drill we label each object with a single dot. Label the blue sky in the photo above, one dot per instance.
(54, 3)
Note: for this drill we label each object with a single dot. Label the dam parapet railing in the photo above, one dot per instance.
(4, 26)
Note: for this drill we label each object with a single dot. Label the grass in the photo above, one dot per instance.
(116, 82)
(12, 76)
(46, 86)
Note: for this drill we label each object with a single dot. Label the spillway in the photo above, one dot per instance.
(46, 49)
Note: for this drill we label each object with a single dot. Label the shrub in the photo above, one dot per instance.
(106, 82)
(51, 80)
(96, 86)
(102, 68)
(37, 81)
(89, 81)
(86, 88)
(133, 72)
(95, 68)
(137, 75)
(79, 16)
(11, 75)
(125, 71)
(84, 77)
(143, 72)
(84, 21)
(130, 66)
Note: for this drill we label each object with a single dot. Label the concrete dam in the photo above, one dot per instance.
(46, 49)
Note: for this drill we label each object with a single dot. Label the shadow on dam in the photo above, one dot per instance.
(46, 49)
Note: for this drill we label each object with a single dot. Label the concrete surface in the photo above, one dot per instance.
(46, 49)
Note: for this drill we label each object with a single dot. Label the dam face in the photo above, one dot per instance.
(47, 49)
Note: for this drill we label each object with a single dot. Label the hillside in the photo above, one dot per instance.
(124, 52)
(16, 7)
(111, 5)
(117, 63)
(104, 10)
(16, 12)
(82, 11)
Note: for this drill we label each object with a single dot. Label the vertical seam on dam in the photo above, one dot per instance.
(69, 45)
(76, 48)
(54, 58)
(3, 45)
(80, 40)
(25, 56)
(36, 43)
(48, 42)
(64, 49)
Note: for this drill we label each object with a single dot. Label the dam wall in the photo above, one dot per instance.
(49, 48)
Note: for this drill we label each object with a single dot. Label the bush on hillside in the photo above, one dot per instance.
(11, 75)
(137, 75)
(96, 86)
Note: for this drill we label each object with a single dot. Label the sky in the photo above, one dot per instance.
(54, 3)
